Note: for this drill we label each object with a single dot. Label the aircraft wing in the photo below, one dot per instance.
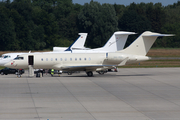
(94, 67)
(82, 67)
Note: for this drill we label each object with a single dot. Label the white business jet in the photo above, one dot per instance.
(88, 62)
(115, 43)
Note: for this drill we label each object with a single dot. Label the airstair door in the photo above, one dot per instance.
(31, 63)
(31, 60)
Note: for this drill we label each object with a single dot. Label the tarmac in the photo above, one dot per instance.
(129, 94)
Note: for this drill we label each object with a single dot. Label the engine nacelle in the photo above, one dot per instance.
(115, 58)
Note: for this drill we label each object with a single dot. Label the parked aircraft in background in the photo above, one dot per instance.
(88, 62)
(78, 44)
(115, 43)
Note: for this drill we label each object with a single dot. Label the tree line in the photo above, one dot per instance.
(42, 24)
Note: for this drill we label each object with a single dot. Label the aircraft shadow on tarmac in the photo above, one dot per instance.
(105, 75)
(136, 75)
(82, 75)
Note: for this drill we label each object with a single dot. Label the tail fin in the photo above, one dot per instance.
(143, 43)
(117, 41)
(79, 43)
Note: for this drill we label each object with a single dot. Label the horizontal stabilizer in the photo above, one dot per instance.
(159, 35)
(124, 33)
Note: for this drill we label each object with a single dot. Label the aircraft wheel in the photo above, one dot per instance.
(89, 74)
(69, 73)
(37, 74)
(101, 72)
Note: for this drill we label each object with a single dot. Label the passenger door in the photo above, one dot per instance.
(31, 60)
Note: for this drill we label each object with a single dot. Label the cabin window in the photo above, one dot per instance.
(46, 59)
(84, 58)
(65, 59)
(89, 58)
(75, 59)
(61, 59)
(70, 59)
(41, 59)
(120, 57)
(51, 59)
(79, 58)
(56, 59)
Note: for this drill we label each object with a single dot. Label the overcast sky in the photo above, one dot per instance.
(127, 2)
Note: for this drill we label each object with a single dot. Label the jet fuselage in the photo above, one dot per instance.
(72, 61)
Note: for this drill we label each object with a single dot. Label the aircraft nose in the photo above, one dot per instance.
(2, 62)
(9, 64)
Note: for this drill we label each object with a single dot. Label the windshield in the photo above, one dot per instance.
(7, 56)
(19, 58)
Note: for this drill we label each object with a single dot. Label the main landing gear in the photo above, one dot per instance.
(89, 74)
(101, 72)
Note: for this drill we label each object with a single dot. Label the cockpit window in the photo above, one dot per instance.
(7, 56)
(19, 58)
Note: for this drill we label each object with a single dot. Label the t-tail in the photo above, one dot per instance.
(143, 43)
(79, 43)
(116, 42)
